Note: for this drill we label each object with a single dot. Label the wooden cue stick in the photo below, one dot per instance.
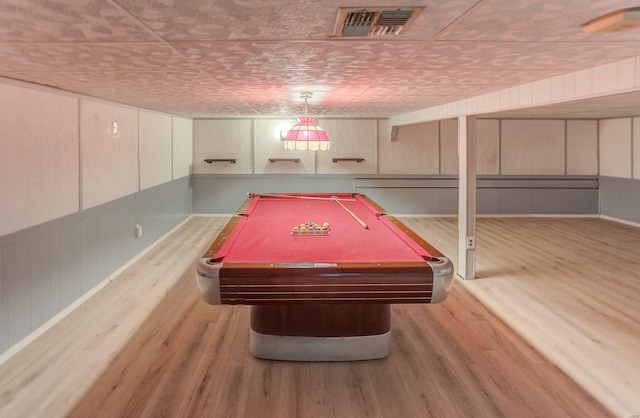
(360, 221)
(295, 196)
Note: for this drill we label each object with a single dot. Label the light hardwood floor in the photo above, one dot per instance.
(146, 345)
(570, 287)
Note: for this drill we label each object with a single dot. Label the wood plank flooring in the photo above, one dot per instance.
(570, 287)
(146, 345)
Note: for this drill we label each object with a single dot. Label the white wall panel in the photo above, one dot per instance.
(352, 138)
(532, 147)
(109, 162)
(39, 163)
(558, 88)
(564, 88)
(155, 149)
(182, 143)
(615, 147)
(487, 148)
(636, 148)
(220, 139)
(582, 147)
(614, 76)
(605, 78)
(415, 150)
(541, 91)
(268, 145)
(449, 146)
(584, 82)
(525, 94)
(626, 70)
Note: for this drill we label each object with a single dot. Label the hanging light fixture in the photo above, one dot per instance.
(306, 134)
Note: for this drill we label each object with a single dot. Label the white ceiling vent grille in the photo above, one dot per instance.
(374, 21)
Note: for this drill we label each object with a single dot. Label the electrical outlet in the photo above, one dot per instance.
(138, 231)
(114, 128)
(471, 243)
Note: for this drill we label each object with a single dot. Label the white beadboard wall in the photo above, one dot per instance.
(610, 150)
(71, 193)
(608, 79)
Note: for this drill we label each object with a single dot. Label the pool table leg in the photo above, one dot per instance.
(320, 332)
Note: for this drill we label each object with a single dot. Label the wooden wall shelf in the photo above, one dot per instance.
(358, 160)
(293, 160)
(219, 160)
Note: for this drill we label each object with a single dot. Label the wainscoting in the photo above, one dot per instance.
(45, 268)
(620, 198)
(430, 195)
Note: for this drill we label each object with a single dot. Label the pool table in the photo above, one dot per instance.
(320, 272)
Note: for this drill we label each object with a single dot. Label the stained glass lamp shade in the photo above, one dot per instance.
(307, 135)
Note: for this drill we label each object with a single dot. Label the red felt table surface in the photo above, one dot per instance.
(264, 234)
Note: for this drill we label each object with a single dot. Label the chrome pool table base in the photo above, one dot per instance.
(320, 332)
(295, 348)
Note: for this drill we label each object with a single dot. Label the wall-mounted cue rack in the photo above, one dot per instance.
(358, 160)
(220, 160)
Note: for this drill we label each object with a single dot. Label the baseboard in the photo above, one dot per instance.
(13, 350)
(621, 221)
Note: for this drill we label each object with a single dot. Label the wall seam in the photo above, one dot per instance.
(172, 150)
(566, 147)
(80, 152)
(138, 144)
(439, 171)
(631, 154)
(598, 166)
(499, 147)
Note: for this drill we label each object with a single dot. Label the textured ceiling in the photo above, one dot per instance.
(252, 58)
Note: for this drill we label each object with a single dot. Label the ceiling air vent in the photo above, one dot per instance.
(358, 23)
(374, 21)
